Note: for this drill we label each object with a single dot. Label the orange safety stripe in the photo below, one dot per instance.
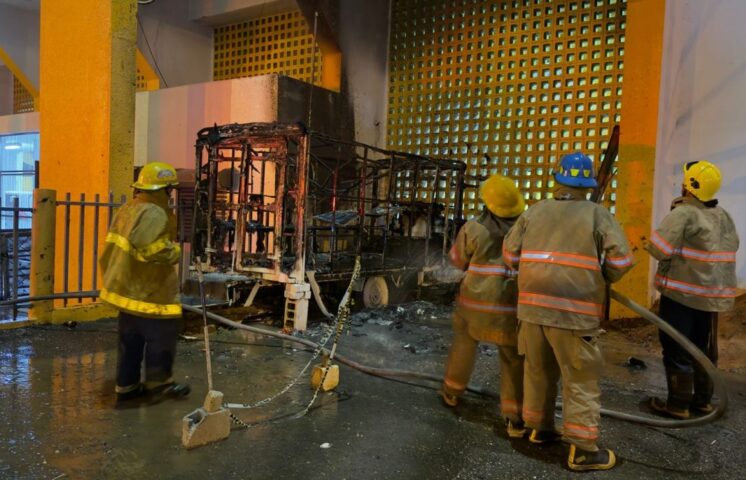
(487, 269)
(690, 288)
(481, 306)
(532, 415)
(560, 303)
(620, 262)
(558, 258)
(661, 243)
(510, 258)
(707, 256)
(581, 431)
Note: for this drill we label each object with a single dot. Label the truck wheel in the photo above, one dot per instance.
(375, 292)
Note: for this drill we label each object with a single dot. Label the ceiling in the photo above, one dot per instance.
(25, 4)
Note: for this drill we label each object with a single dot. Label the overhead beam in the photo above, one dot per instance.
(20, 76)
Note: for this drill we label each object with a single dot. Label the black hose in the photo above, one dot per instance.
(644, 420)
(374, 371)
(699, 357)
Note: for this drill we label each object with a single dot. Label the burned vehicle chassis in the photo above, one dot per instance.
(276, 204)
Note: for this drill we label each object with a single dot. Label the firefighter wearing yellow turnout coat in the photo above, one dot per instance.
(486, 303)
(695, 246)
(567, 248)
(140, 280)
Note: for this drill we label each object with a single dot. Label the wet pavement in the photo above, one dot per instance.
(56, 402)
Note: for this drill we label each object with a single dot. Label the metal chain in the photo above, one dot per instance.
(240, 422)
(316, 352)
(343, 314)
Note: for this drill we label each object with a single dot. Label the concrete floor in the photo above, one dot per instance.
(56, 402)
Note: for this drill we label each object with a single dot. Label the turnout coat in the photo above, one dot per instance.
(568, 248)
(695, 246)
(487, 294)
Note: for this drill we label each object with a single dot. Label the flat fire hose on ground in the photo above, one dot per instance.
(699, 357)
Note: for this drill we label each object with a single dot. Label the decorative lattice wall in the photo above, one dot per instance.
(277, 44)
(507, 86)
(141, 83)
(23, 101)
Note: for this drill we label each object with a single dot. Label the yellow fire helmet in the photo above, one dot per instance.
(155, 176)
(502, 197)
(702, 179)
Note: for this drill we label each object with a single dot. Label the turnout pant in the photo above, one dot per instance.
(151, 339)
(461, 359)
(573, 355)
(682, 371)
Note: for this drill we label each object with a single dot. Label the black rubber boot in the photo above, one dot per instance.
(132, 397)
(582, 460)
(703, 390)
(679, 396)
(169, 390)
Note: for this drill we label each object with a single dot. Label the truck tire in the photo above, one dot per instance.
(375, 292)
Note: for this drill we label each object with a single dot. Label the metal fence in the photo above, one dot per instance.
(15, 257)
(72, 229)
(83, 222)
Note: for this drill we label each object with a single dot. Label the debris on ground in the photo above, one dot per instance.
(643, 337)
(635, 363)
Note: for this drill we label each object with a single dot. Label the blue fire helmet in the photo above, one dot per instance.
(576, 170)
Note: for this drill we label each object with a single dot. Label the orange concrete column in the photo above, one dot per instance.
(87, 112)
(639, 127)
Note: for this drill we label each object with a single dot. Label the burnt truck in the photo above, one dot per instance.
(279, 205)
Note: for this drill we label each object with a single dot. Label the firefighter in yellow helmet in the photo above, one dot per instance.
(695, 246)
(486, 303)
(567, 248)
(140, 281)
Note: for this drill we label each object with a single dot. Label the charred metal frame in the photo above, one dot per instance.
(272, 200)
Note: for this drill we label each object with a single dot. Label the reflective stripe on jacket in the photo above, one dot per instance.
(138, 259)
(567, 249)
(487, 294)
(695, 246)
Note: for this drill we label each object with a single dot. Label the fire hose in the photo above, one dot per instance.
(699, 357)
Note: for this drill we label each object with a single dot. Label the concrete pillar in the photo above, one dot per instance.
(643, 52)
(42, 253)
(87, 111)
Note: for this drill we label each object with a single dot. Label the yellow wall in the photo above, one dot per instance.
(639, 126)
(87, 75)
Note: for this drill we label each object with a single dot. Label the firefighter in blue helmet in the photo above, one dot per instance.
(567, 248)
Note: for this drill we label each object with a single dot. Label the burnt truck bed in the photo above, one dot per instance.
(277, 204)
